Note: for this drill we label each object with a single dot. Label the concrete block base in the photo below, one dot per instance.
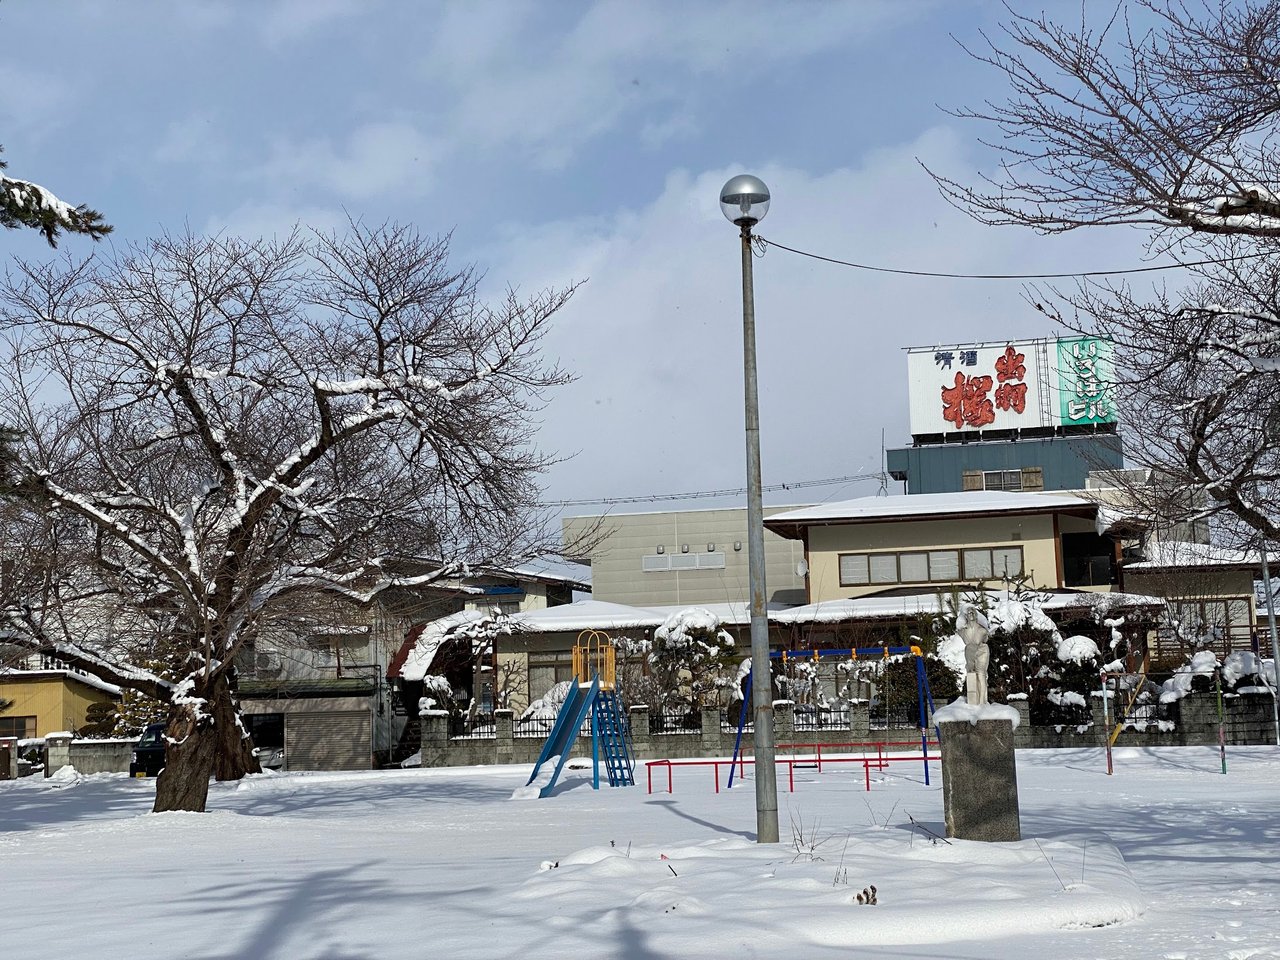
(980, 781)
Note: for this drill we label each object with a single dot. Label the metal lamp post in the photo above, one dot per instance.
(745, 201)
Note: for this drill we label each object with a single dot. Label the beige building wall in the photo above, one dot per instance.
(56, 702)
(617, 562)
(1034, 534)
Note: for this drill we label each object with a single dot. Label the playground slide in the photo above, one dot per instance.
(575, 709)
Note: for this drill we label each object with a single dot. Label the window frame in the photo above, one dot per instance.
(958, 553)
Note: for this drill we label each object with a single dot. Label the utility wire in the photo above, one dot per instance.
(1009, 276)
(709, 494)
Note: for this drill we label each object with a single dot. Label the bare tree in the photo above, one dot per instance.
(239, 425)
(1165, 116)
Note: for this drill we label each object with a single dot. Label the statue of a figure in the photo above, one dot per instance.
(977, 657)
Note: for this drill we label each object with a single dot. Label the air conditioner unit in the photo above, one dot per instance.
(267, 664)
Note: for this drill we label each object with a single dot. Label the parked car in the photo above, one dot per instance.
(148, 752)
(270, 758)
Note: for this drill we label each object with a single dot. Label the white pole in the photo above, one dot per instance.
(1275, 657)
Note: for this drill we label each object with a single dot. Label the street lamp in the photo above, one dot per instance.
(745, 201)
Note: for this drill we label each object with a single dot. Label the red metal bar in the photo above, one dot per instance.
(791, 775)
(716, 767)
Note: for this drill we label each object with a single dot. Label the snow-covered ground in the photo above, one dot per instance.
(1167, 859)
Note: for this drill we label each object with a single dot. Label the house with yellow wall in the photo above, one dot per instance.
(40, 702)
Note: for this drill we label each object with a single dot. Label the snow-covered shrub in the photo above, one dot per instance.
(547, 707)
(688, 662)
(437, 694)
(1194, 676)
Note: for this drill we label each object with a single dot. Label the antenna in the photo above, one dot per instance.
(884, 468)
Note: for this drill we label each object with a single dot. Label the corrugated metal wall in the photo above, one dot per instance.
(342, 740)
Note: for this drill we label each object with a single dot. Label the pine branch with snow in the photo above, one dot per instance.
(26, 204)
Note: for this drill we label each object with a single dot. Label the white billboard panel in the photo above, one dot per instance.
(1009, 385)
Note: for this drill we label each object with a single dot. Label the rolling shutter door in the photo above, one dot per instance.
(328, 741)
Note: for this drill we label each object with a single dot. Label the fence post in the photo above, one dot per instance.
(435, 738)
(57, 752)
(8, 758)
(504, 736)
(641, 738)
(784, 720)
(1022, 733)
(711, 739)
(859, 720)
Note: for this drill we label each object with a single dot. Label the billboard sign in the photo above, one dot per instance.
(1010, 385)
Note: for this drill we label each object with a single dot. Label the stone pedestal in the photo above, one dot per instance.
(979, 780)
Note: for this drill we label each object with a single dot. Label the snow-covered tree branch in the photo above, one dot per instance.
(239, 425)
(26, 204)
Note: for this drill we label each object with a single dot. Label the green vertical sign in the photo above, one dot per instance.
(1086, 388)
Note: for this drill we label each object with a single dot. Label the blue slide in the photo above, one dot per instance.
(574, 710)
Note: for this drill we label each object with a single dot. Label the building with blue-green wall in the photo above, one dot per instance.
(1044, 463)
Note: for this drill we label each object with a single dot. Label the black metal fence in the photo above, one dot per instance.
(686, 722)
(820, 718)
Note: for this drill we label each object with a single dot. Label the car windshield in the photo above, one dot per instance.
(152, 737)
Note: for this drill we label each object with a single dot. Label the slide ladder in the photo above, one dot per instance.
(613, 740)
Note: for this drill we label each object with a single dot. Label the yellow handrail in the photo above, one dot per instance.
(593, 655)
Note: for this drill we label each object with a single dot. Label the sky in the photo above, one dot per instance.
(575, 141)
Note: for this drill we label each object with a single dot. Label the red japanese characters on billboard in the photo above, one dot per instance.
(1008, 385)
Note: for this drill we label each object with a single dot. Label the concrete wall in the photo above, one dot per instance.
(1248, 720)
(616, 562)
(101, 756)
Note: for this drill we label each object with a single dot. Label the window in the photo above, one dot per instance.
(1088, 560)
(884, 568)
(935, 566)
(854, 570)
(914, 567)
(548, 669)
(977, 564)
(1002, 480)
(20, 727)
(1006, 562)
(944, 565)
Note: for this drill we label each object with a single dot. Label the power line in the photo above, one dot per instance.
(1009, 276)
(710, 494)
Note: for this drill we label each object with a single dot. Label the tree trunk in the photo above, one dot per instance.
(188, 762)
(235, 749)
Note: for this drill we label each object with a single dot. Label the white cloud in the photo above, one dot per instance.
(285, 20)
(275, 220)
(620, 58)
(375, 159)
(656, 335)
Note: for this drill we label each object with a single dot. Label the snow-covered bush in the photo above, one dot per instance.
(688, 663)
(1194, 676)
(547, 707)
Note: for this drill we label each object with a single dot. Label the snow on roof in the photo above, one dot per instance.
(731, 614)
(927, 505)
(418, 662)
(564, 618)
(554, 569)
(86, 679)
(588, 615)
(1181, 553)
(873, 608)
